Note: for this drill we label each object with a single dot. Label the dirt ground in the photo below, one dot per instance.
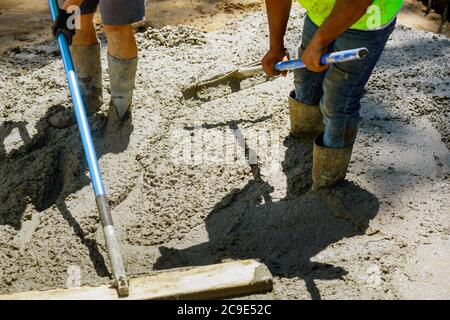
(383, 234)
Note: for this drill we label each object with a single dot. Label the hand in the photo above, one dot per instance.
(60, 25)
(312, 54)
(269, 60)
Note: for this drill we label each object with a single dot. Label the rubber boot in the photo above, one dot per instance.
(329, 164)
(306, 120)
(122, 75)
(88, 67)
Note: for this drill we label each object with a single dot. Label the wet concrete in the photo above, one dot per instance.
(358, 241)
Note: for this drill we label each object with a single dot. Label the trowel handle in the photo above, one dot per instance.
(329, 58)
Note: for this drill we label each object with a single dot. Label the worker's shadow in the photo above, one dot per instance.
(50, 165)
(286, 234)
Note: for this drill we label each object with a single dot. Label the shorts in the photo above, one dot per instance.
(115, 12)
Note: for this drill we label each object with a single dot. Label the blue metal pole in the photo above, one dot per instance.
(80, 112)
(101, 199)
(335, 57)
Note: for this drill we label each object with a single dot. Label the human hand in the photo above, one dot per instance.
(270, 59)
(312, 54)
(61, 25)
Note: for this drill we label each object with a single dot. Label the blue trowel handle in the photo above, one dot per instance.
(330, 58)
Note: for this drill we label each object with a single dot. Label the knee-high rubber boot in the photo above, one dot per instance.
(122, 74)
(306, 120)
(88, 67)
(329, 164)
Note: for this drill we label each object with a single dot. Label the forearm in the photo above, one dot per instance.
(345, 14)
(278, 12)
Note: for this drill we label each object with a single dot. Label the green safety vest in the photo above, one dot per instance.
(379, 14)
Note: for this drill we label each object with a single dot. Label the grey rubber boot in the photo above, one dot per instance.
(88, 67)
(122, 75)
(329, 165)
(306, 120)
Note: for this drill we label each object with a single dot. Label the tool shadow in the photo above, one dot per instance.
(49, 166)
(284, 234)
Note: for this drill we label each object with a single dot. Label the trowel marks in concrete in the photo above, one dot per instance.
(176, 203)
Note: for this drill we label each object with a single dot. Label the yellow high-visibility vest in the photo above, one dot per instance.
(379, 14)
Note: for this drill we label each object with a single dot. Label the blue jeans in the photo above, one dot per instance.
(339, 89)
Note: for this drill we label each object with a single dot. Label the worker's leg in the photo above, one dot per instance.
(306, 118)
(344, 85)
(122, 64)
(85, 52)
(86, 35)
(343, 88)
(121, 42)
(117, 17)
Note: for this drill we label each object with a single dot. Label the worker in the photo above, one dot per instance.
(326, 100)
(117, 18)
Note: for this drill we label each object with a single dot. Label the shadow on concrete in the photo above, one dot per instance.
(50, 165)
(286, 234)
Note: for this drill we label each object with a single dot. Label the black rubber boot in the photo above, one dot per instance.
(329, 164)
(88, 67)
(306, 120)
